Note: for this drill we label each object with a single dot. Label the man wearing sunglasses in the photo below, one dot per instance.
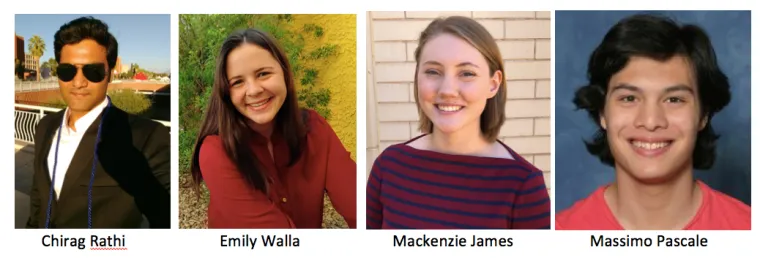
(95, 165)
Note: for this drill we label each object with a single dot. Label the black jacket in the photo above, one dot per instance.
(132, 177)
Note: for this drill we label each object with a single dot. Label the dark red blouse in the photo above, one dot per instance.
(295, 198)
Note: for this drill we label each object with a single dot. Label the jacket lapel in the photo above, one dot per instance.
(81, 162)
(46, 145)
(48, 142)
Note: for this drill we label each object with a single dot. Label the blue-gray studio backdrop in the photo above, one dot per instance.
(577, 33)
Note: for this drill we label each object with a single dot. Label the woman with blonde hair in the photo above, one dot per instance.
(457, 174)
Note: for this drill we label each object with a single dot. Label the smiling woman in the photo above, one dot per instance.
(457, 175)
(266, 161)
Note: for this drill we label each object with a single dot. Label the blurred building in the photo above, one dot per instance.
(19, 46)
(126, 68)
(117, 68)
(31, 66)
(31, 62)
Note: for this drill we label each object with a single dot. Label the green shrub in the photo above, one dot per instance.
(323, 52)
(130, 101)
(57, 103)
(313, 28)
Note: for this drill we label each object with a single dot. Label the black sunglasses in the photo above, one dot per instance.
(93, 72)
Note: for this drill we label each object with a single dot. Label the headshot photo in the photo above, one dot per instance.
(653, 120)
(268, 121)
(458, 120)
(91, 121)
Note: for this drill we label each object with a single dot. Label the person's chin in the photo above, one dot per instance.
(652, 175)
(447, 128)
(78, 106)
(261, 119)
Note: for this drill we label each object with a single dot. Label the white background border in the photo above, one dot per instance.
(343, 243)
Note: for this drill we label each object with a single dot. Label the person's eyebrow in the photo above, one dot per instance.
(467, 64)
(431, 62)
(458, 65)
(671, 89)
(625, 86)
(255, 72)
(83, 64)
(680, 87)
(234, 77)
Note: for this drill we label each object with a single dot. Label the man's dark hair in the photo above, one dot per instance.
(658, 38)
(86, 28)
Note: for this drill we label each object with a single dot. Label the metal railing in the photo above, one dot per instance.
(51, 84)
(25, 120)
(36, 86)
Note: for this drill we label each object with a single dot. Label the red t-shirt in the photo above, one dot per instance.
(718, 212)
(295, 199)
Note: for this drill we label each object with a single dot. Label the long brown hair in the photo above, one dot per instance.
(224, 120)
(469, 30)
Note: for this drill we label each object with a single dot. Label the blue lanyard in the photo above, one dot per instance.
(92, 173)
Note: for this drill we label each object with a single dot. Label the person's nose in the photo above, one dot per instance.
(651, 117)
(79, 81)
(253, 88)
(449, 87)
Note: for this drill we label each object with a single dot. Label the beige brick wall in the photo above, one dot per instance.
(524, 41)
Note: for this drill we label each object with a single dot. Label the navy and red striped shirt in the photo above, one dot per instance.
(410, 188)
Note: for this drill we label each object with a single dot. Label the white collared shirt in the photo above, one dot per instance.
(69, 143)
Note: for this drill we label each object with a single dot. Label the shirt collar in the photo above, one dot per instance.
(275, 138)
(85, 121)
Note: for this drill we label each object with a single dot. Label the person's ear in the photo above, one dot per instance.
(703, 122)
(496, 80)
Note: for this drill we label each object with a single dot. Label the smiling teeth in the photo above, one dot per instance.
(449, 108)
(259, 104)
(650, 145)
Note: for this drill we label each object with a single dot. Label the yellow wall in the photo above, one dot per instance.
(339, 72)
